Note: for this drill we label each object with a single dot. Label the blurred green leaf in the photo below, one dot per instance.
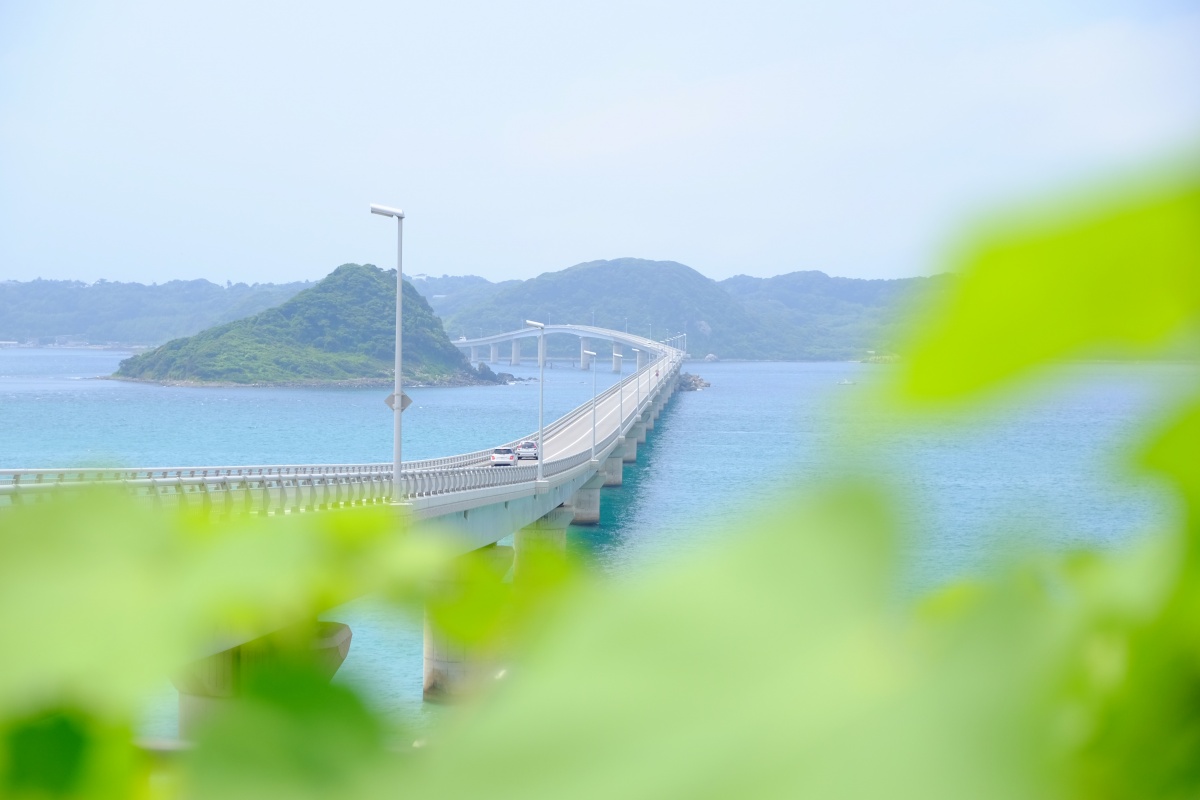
(66, 753)
(781, 666)
(46, 755)
(102, 598)
(1120, 270)
(468, 601)
(292, 734)
(1175, 452)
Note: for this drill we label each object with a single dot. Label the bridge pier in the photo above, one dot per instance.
(208, 684)
(495, 359)
(474, 354)
(454, 669)
(617, 357)
(629, 455)
(641, 359)
(639, 431)
(515, 361)
(585, 345)
(541, 545)
(586, 501)
(614, 473)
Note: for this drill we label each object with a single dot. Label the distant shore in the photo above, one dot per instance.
(352, 383)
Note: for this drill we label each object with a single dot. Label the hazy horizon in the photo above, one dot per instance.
(143, 142)
(410, 275)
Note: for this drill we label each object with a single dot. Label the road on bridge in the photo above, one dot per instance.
(576, 437)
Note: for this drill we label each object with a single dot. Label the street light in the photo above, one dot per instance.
(637, 373)
(397, 405)
(621, 394)
(541, 390)
(593, 355)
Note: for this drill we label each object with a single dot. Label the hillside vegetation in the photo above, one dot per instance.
(813, 315)
(340, 330)
(802, 315)
(449, 294)
(128, 313)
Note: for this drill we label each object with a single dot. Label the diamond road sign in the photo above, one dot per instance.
(405, 401)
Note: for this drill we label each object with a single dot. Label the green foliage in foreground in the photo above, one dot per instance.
(341, 330)
(785, 665)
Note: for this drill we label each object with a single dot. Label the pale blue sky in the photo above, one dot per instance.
(228, 140)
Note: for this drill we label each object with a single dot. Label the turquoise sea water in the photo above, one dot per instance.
(1045, 466)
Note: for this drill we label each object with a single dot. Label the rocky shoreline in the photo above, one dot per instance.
(692, 383)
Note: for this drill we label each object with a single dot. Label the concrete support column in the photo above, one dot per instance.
(495, 359)
(616, 357)
(474, 354)
(455, 669)
(206, 685)
(515, 361)
(641, 359)
(639, 431)
(648, 417)
(586, 501)
(614, 472)
(541, 546)
(629, 456)
(585, 361)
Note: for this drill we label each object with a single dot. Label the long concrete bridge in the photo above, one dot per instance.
(462, 497)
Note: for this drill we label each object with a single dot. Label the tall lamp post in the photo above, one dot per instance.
(637, 378)
(541, 390)
(593, 355)
(397, 403)
(621, 394)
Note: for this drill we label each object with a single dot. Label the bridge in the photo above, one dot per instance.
(644, 348)
(463, 497)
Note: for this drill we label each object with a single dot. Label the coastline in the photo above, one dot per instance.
(352, 383)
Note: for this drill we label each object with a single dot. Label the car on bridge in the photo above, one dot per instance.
(527, 450)
(504, 457)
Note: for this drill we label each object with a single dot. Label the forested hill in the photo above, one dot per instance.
(801, 315)
(627, 292)
(340, 330)
(819, 316)
(449, 294)
(128, 313)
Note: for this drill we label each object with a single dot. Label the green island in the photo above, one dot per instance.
(340, 331)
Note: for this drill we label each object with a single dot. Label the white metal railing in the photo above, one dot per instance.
(309, 487)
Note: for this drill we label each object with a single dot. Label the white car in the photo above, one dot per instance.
(504, 457)
(527, 450)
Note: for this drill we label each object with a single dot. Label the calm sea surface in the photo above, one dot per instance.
(1047, 465)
